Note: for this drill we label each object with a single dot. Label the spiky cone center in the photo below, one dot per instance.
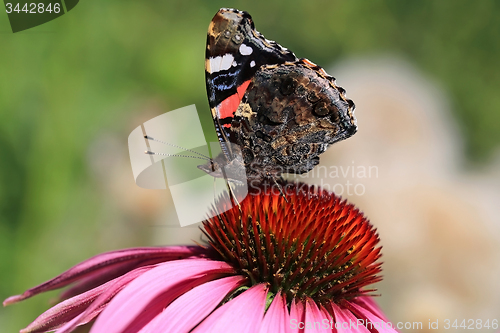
(315, 245)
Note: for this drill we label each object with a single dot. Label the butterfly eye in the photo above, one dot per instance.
(237, 39)
(227, 33)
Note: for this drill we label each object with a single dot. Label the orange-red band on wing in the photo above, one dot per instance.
(228, 107)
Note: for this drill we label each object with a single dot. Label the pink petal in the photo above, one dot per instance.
(371, 321)
(110, 289)
(242, 314)
(326, 315)
(297, 316)
(346, 322)
(277, 318)
(102, 276)
(71, 308)
(108, 261)
(187, 311)
(369, 303)
(315, 321)
(145, 297)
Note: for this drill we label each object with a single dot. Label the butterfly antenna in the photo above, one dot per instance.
(149, 152)
(147, 137)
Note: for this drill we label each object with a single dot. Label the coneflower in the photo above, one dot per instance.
(272, 265)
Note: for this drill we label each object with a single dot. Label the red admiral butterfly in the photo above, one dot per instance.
(273, 113)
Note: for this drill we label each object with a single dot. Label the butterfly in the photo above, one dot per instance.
(273, 112)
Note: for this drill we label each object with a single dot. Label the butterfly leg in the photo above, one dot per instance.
(280, 188)
(234, 200)
(232, 195)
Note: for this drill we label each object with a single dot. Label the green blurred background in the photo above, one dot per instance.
(69, 87)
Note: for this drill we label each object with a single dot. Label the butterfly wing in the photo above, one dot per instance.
(289, 116)
(235, 52)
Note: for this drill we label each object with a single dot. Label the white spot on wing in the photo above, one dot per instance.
(214, 64)
(252, 63)
(245, 50)
(227, 61)
(220, 63)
